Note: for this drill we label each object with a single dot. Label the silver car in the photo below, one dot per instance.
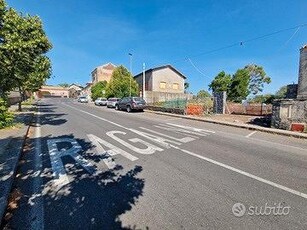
(112, 102)
(101, 101)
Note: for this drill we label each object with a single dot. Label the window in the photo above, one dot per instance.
(162, 85)
(176, 86)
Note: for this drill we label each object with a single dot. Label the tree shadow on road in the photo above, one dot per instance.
(89, 201)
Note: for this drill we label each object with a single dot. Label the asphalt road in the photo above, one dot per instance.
(89, 167)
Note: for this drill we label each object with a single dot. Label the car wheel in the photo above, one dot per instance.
(128, 109)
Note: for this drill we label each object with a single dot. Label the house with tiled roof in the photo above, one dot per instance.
(162, 83)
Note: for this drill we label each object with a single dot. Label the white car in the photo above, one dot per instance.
(101, 101)
(83, 99)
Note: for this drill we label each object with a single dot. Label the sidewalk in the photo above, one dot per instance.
(11, 143)
(245, 126)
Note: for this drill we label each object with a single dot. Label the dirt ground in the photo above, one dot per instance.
(240, 119)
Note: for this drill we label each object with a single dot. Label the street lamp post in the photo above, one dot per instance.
(130, 59)
(144, 82)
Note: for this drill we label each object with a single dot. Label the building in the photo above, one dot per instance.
(291, 113)
(161, 84)
(74, 90)
(86, 91)
(102, 73)
(53, 91)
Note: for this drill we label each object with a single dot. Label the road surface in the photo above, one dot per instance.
(89, 167)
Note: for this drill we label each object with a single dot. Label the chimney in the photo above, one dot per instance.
(302, 76)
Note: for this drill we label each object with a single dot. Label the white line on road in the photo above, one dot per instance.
(37, 207)
(303, 195)
(252, 133)
(284, 188)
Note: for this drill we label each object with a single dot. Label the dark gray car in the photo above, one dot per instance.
(131, 103)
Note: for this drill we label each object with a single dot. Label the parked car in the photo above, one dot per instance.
(130, 103)
(112, 102)
(101, 101)
(83, 99)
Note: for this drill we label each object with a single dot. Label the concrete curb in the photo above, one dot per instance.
(244, 126)
(14, 149)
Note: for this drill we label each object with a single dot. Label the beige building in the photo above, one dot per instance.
(86, 91)
(53, 91)
(102, 73)
(74, 90)
(162, 83)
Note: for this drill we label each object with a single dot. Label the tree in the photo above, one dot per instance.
(257, 78)
(98, 90)
(119, 85)
(186, 86)
(221, 82)
(238, 90)
(23, 46)
(281, 93)
(203, 94)
(37, 78)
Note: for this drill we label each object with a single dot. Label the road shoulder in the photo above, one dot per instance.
(244, 126)
(11, 145)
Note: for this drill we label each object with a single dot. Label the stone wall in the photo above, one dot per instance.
(219, 102)
(288, 111)
(302, 80)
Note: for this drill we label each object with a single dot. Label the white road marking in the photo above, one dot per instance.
(59, 172)
(149, 150)
(113, 149)
(252, 133)
(183, 140)
(284, 188)
(173, 119)
(180, 130)
(37, 211)
(100, 118)
(164, 142)
(303, 195)
(107, 159)
(191, 128)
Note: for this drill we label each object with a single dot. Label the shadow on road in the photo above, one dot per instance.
(89, 201)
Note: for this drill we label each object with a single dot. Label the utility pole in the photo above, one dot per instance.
(144, 82)
(130, 59)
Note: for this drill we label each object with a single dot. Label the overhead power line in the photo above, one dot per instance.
(240, 43)
(197, 69)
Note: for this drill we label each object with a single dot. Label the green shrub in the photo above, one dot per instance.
(6, 118)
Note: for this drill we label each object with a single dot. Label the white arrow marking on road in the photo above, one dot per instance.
(113, 149)
(58, 168)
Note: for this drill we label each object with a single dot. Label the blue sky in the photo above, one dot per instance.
(86, 34)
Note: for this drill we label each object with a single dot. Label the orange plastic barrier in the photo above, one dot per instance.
(195, 110)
